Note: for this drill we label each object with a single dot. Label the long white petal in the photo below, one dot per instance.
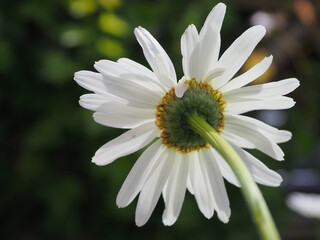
(94, 82)
(221, 201)
(215, 18)
(190, 52)
(128, 85)
(139, 173)
(136, 95)
(142, 75)
(175, 189)
(200, 184)
(119, 115)
(232, 137)
(92, 101)
(91, 81)
(234, 57)
(225, 169)
(276, 135)
(152, 189)
(133, 66)
(189, 185)
(127, 70)
(209, 40)
(263, 91)
(144, 96)
(110, 68)
(248, 132)
(209, 45)
(215, 72)
(247, 105)
(248, 76)
(260, 172)
(161, 69)
(151, 48)
(129, 142)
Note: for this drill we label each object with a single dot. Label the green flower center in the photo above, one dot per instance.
(172, 114)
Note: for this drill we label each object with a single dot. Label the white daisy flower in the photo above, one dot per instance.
(306, 204)
(155, 107)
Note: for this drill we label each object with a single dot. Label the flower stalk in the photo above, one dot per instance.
(255, 201)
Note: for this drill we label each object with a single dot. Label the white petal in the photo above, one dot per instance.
(142, 75)
(209, 45)
(92, 101)
(139, 173)
(210, 41)
(127, 70)
(110, 68)
(133, 66)
(232, 137)
(94, 82)
(151, 48)
(175, 189)
(181, 88)
(119, 115)
(276, 135)
(136, 95)
(190, 52)
(152, 189)
(189, 185)
(225, 169)
(260, 172)
(234, 57)
(221, 201)
(127, 143)
(247, 105)
(200, 53)
(215, 18)
(91, 81)
(128, 85)
(263, 91)
(161, 69)
(213, 74)
(200, 184)
(248, 132)
(248, 76)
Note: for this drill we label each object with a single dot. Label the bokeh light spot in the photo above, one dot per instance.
(110, 23)
(110, 4)
(81, 8)
(72, 37)
(110, 48)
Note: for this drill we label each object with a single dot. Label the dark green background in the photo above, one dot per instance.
(49, 187)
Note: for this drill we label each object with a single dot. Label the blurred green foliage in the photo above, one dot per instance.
(50, 189)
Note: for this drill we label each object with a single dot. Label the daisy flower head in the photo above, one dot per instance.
(154, 106)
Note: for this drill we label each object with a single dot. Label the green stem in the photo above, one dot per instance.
(255, 201)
